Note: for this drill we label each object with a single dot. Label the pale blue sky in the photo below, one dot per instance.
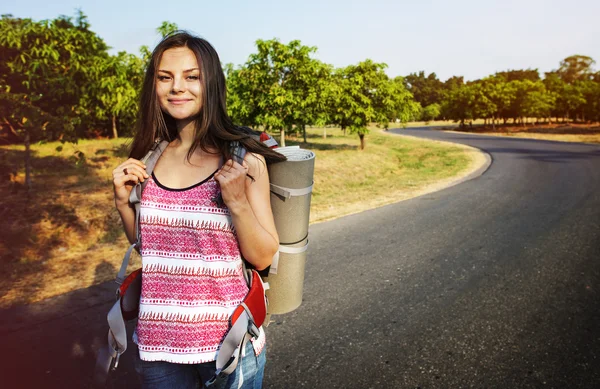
(472, 38)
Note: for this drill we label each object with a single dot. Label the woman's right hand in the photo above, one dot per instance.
(125, 176)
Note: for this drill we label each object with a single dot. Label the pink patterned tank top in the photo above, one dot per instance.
(192, 276)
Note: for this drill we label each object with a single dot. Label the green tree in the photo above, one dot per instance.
(359, 95)
(278, 83)
(431, 112)
(426, 90)
(115, 89)
(167, 28)
(30, 124)
(393, 102)
(538, 102)
(519, 75)
(570, 98)
(45, 73)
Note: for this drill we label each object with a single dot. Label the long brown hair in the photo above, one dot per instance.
(214, 130)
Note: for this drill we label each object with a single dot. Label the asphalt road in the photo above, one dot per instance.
(493, 283)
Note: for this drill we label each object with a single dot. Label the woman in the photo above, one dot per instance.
(192, 243)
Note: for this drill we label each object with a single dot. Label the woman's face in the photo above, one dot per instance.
(178, 83)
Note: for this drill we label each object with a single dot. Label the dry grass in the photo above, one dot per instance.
(67, 235)
(391, 168)
(570, 132)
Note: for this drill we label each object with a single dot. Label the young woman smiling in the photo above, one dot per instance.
(193, 245)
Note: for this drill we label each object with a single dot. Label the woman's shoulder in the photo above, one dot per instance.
(256, 163)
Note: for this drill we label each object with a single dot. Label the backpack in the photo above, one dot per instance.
(250, 314)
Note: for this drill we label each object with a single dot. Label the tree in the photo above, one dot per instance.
(431, 112)
(278, 84)
(569, 97)
(115, 89)
(45, 73)
(458, 101)
(426, 90)
(167, 28)
(519, 75)
(576, 68)
(30, 124)
(591, 93)
(538, 102)
(393, 102)
(468, 102)
(242, 101)
(359, 95)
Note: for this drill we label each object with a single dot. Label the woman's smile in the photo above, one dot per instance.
(179, 101)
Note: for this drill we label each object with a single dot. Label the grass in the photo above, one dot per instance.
(561, 132)
(67, 235)
(390, 168)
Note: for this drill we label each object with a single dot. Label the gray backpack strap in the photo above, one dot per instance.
(135, 197)
(108, 356)
(238, 152)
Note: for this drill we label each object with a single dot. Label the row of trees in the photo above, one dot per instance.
(571, 92)
(58, 81)
(282, 86)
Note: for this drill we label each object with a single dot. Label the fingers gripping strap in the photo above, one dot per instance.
(287, 193)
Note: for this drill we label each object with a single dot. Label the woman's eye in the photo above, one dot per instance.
(194, 78)
(163, 78)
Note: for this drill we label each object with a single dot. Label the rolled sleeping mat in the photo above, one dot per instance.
(285, 287)
(291, 188)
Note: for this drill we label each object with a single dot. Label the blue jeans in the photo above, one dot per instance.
(166, 375)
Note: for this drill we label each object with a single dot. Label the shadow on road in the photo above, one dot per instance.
(53, 343)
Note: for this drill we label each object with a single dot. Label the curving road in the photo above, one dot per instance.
(493, 283)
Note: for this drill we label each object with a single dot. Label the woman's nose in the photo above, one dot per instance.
(178, 84)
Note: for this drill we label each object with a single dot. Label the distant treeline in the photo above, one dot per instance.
(58, 81)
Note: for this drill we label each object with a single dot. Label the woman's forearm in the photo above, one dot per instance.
(257, 245)
(127, 214)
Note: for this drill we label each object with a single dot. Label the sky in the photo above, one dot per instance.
(470, 38)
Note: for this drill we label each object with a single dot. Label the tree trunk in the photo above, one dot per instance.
(493, 124)
(362, 141)
(114, 127)
(282, 140)
(304, 132)
(344, 130)
(325, 133)
(28, 163)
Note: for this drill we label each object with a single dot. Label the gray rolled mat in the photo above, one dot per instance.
(291, 187)
(292, 214)
(285, 287)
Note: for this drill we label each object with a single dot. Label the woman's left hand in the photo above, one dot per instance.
(233, 179)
